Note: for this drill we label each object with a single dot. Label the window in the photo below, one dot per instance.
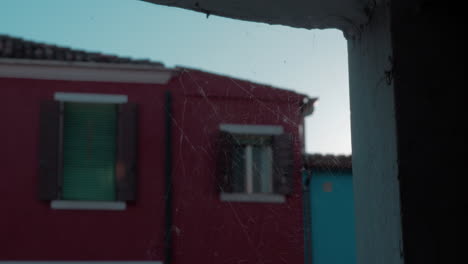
(252, 161)
(89, 136)
(255, 163)
(87, 151)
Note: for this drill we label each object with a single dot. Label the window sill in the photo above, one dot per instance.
(88, 205)
(252, 197)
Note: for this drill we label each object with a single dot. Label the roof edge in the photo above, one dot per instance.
(183, 69)
(328, 162)
(97, 65)
(84, 71)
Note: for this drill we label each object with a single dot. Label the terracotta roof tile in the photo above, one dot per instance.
(17, 48)
(328, 162)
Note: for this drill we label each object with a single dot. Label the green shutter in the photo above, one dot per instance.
(89, 151)
(127, 140)
(48, 181)
(283, 164)
(238, 169)
(225, 145)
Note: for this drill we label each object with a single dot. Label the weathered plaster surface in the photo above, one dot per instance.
(312, 14)
(373, 126)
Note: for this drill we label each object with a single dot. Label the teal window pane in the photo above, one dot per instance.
(262, 169)
(89, 149)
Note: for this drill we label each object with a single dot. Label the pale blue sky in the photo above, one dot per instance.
(313, 62)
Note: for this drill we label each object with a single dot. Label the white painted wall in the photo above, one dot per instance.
(345, 15)
(373, 128)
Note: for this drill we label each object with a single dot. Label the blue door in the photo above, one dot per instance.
(330, 219)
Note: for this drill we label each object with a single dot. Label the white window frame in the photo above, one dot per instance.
(89, 98)
(249, 195)
(249, 169)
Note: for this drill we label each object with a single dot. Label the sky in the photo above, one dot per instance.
(312, 62)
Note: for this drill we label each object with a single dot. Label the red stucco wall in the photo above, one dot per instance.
(206, 230)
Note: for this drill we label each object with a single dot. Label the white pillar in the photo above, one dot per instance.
(373, 128)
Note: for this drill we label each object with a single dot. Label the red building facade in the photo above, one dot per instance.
(179, 201)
